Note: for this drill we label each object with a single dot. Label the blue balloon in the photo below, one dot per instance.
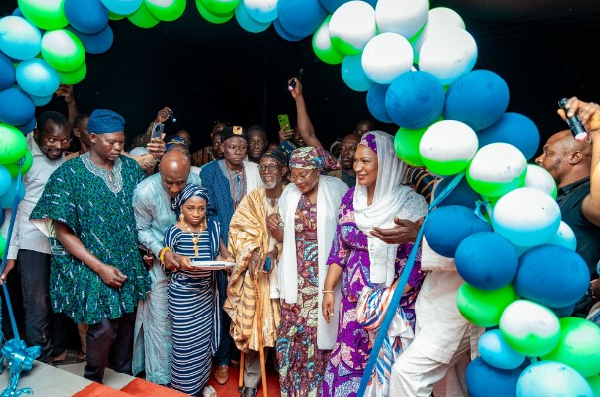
(376, 102)
(8, 75)
(486, 260)
(483, 380)
(16, 107)
(284, 34)
(95, 43)
(478, 99)
(2, 217)
(552, 275)
(5, 180)
(87, 16)
(37, 78)
(353, 74)
(248, 23)
(7, 199)
(17, 12)
(28, 126)
(513, 128)
(300, 18)
(332, 5)
(415, 99)
(446, 227)
(462, 194)
(122, 7)
(552, 379)
(41, 100)
(561, 312)
(19, 39)
(495, 351)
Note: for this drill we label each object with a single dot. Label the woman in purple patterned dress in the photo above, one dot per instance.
(370, 268)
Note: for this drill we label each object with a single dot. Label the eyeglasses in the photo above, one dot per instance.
(270, 167)
(302, 178)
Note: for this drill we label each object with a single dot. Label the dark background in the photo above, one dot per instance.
(544, 49)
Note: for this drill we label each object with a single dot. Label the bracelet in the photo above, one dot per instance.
(161, 254)
(328, 292)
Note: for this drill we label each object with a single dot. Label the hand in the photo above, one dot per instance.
(149, 260)
(588, 112)
(255, 261)
(273, 256)
(66, 91)
(111, 276)
(285, 133)
(185, 263)
(405, 231)
(172, 261)
(274, 221)
(163, 115)
(156, 147)
(10, 264)
(594, 283)
(297, 90)
(328, 305)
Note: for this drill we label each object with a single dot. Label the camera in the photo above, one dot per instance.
(172, 116)
(157, 130)
(577, 128)
(299, 75)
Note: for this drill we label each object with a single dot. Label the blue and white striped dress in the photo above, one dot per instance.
(193, 299)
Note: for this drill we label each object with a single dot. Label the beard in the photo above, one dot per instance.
(270, 185)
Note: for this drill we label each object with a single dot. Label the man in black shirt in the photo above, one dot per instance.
(573, 165)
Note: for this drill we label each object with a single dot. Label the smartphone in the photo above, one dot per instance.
(143, 250)
(157, 130)
(267, 266)
(283, 120)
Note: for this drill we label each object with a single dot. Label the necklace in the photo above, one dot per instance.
(196, 238)
(231, 185)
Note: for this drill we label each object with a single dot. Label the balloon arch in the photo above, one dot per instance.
(415, 64)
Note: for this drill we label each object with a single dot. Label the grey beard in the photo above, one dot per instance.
(270, 185)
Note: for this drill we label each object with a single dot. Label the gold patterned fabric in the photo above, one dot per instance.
(247, 232)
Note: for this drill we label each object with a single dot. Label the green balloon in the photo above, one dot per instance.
(579, 346)
(322, 46)
(413, 42)
(13, 144)
(166, 12)
(143, 18)
(45, 14)
(406, 144)
(345, 48)
(496, 189)
(212, 17)
(13, 168)
(73, 77)
(63, 50)
(115, 17)
(221, 7)
(484, 308)
(2, 245)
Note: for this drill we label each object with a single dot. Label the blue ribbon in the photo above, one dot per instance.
(387, 320)
(18, 356)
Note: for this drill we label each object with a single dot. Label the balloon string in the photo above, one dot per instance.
(397, 296)
(11, 225)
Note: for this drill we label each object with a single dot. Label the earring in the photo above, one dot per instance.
(182, 220)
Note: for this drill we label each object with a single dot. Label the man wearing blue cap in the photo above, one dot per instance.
(97, 276)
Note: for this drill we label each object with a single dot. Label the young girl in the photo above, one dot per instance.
(193, 295)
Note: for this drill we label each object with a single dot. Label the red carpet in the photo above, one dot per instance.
(97, 390)
(230, 389)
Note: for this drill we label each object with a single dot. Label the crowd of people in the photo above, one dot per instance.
(178, 265)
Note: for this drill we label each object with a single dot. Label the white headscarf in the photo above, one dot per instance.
(391, 199)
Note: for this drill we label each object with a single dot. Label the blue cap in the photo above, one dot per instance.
(104, 121)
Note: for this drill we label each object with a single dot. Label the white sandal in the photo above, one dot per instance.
(208, 391)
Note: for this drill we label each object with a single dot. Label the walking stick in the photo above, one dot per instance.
(261, 351)
(241, 378)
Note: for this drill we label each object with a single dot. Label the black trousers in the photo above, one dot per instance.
(43, 328)
(109, 341)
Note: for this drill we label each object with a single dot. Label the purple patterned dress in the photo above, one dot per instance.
(301, 363)
(352, 348)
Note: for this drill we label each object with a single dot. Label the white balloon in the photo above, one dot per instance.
(387, 56)
(262, 10)
(539, 178)
(447, 147)
(353, 23)
(138, 151)
(498, 167)
(526, 216)
(405, 17)
(438, 20)
(564, 236)
(449, 55)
